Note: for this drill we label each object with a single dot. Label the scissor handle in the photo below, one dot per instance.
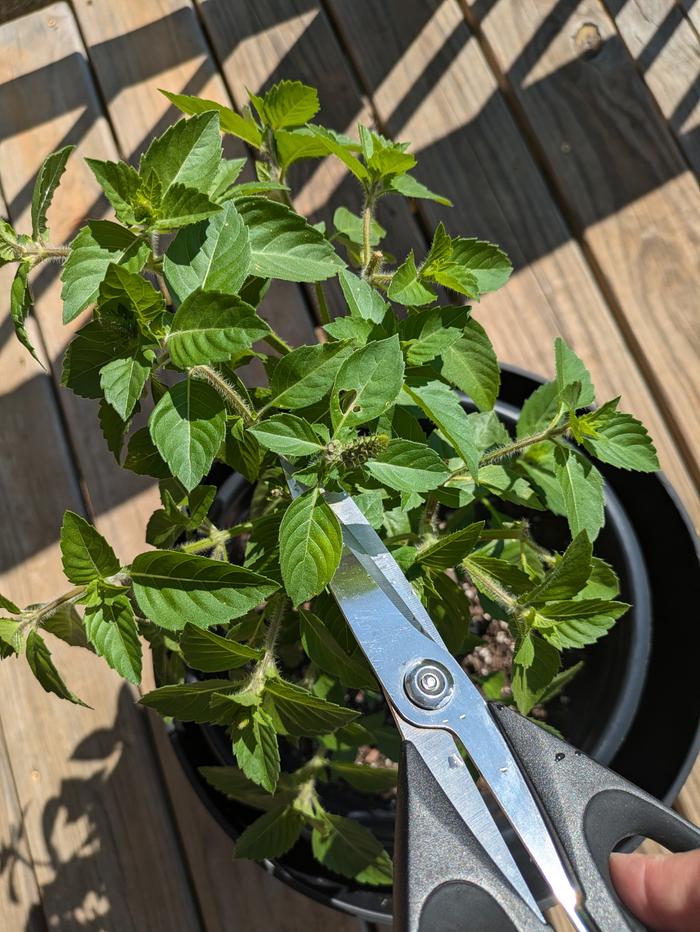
(445, 882)
(592, 810)
(443, 879)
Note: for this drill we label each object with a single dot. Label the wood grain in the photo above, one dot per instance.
(429, 82)
(666, 48)
(623, 180)
(100, 834)
(233, 895)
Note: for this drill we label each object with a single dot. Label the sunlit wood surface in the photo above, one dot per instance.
(566, 131)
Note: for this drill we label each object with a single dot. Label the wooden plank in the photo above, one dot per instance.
(99, 829)
(623, 180)
(118, 41)
(430, 83)
(260, 43)
(666, 47)
(27, 399)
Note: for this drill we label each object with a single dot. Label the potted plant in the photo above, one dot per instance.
(396, 406)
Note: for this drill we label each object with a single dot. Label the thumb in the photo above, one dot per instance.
(662, 890)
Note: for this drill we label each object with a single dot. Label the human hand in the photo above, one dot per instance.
(662, 890)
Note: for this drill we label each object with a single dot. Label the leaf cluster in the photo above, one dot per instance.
(374, 410)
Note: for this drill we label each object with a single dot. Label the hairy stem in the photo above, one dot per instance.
(512, 449)
(276, 342)
(216, 538)
(323, 313)
(44, 612)
(227, 392)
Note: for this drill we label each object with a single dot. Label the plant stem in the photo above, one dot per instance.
(512, 449)
(276, 342)
(41, 252)
(323, 312)
(216, 538)
(227, 392)
(367, 216)
(50, 608)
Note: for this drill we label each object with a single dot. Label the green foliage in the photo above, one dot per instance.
(374, 411)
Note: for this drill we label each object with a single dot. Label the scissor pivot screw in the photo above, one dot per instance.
(429, 685)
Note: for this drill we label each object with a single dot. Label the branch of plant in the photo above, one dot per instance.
(216, 538)
(227, 392)
(512, 449)
(323, 312)
(42, 613)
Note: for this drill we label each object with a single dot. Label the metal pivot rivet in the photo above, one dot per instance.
(429, 685)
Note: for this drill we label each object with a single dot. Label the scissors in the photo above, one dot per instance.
(453, 868)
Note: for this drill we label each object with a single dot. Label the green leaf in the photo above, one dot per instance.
(571, 373)
(342, 148)
(209, 327)
(539, 410)
(226, 174)
(283, 245)
(20, 306)
(471, 365)
(42, 666)
(287, 435)
(451, 549)
(363, 301)
(409, 467)
(85, 553)
(181, 206)
(454, 277)
(577, 622)
(111, 629)
(233, 783)
(619, 439)
(96, 246)
(488, 264)
(122, 288)
(143, 458)
(94, 346)
(272, 835)
(289, 103)
(310, 546)
(256, 749)
(568, 576)
(406, 287)
(120, 182)
(493, 577)
(322, 648)
(213, 255)
(602, 583)
(368, 382)
(66, 624)
(47, 180)
(188, 153)
(410, 187)
(441, 405)
(298, 712)
(351, 226)
(348, 848)
(206, 651)
(530, 682)
(10, 636)
(582, 490)
(230, 122)
(188, 426)
(173, 588)
(123, 380)
(304, 376)
(242, 451)
(187, 702)
(431, 332)
(364, 777)
(9, 606)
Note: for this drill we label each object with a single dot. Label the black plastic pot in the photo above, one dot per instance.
(634, 707)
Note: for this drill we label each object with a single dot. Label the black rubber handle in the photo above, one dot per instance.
(593, 810)
(444, 880)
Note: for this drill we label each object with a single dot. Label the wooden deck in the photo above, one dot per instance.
(568, 131)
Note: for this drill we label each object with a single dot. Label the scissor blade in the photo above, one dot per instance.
(392, 641)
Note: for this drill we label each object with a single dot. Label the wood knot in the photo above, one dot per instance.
(588, 40)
